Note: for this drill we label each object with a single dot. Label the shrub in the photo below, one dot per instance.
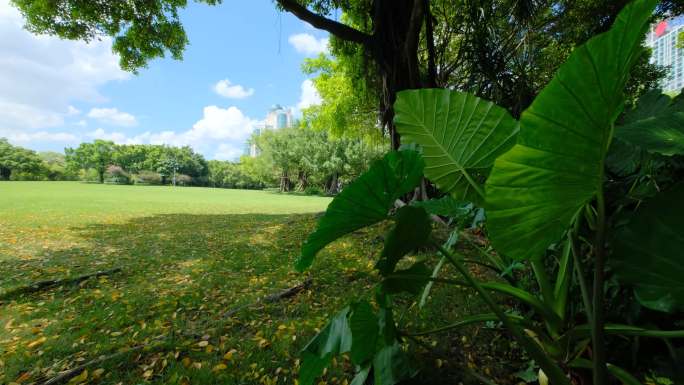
(147, 177)
(117, 175)
(183, 180)
(313, 190)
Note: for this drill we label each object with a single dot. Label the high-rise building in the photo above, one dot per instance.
(254, 150)
(278, 117)
(663, 39)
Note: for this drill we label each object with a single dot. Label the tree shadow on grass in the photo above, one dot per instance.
(180, 274)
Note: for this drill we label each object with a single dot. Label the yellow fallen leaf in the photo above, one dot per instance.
(186, 362)
(229, 355)
(219, 367)
(37, 342)
(148, 373)
(97, 373)
(202, 344)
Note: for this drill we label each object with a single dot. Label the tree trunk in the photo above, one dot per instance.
(393, 46)
(5, 173)
(303, 181)
(100, 174)
(284, 182)
(397, 26)
(332, 185)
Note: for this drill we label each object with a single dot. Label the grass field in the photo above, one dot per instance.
(188, 257)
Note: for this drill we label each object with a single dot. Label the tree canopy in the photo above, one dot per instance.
(14, 159)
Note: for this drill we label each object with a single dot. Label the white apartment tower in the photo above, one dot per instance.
(278, 117)
(663, 38)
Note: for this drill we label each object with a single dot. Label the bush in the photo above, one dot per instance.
(313, 190)
(147, 177)
(89, 175)
(117, 175)
(183, 180)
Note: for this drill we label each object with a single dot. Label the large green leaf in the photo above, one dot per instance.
(411, 280)
(391, 365)
(334, 339)
(656, 124)
(364, 327)
(460, 134)
(446, 206)
(648, 252)
(411, 231)
(536, 189)
(365, 201)
(623, 158)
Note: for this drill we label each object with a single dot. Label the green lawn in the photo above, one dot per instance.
(188, 256)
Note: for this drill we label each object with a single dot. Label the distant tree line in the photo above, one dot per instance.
(105, 161)
(301, 159)
(20, 163)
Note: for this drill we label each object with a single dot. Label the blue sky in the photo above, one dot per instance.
(243, 57)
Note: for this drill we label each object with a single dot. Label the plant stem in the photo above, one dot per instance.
(597, 321)
(533, 349)
(543, 280)
(579, 271)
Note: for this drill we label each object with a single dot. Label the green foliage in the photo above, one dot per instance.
(446, 206)
(365, 201)
(302, 156)
(141, 31)
(653, 242)
(345, 110)
(656, 124)
(540, 198)
(17, 160)
(96, 155)
(538, 188)
(460, 134)
(370, 339)
(411, 231)
(147, 162)
(232, 175)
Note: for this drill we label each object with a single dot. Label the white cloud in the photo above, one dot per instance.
(41, 136)
(113, 116)
(218, 123)
(308, 44)
(233, 91)
(228, 151)
(309, 95)
(71, 111)
(45, 75)
(24, 116)
(116, 137)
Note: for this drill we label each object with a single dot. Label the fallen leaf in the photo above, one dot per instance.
(37, 342)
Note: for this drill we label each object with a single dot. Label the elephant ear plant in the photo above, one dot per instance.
(541, 181)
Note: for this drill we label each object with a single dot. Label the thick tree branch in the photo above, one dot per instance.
(412, 41)
(340, 30)
(430, 40)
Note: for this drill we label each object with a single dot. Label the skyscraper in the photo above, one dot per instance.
(663, 39)
(278, 117)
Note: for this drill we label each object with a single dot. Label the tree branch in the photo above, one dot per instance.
(340, 30)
